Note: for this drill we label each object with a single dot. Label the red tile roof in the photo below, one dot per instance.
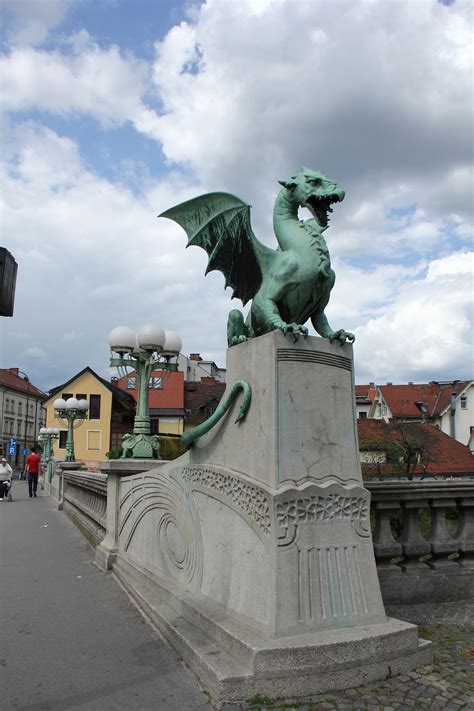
(10, 378)
(170, 397)
(446, 456)
(402, 399)
(365, 393)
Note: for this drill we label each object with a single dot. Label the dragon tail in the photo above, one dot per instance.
(190, 436)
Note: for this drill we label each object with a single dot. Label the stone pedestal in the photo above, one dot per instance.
(252, 553)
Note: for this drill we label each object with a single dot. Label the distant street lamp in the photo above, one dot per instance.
(46, 437)
(148, 350)
(73, 411)
(27, 381)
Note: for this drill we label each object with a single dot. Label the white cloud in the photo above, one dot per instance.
(426, 328)
(29, 21)
(102, 83)
(107, 259)
(34, 352)
(374, 93)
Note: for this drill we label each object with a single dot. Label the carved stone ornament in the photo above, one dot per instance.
(247, 498)
(318, 505)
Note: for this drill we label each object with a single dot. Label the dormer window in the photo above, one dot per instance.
(422, 407)
(464, 402)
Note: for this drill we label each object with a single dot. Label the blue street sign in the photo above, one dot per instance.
(24, 452)
(12, 442)
(11, 450)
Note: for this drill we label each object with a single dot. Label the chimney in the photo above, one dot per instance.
(410, 382)
(452, 415)
(389, 383)
(195, 356)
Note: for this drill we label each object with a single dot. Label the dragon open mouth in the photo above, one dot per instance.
(320, 207)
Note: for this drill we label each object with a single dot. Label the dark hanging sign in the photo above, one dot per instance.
(8, 270)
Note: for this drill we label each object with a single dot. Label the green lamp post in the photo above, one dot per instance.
(148, 350)
(72, 411)
(46, 436)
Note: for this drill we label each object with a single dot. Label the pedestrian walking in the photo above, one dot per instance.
(32, 467)
(6, 474)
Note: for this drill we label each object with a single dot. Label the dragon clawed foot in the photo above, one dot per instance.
(295, 329)
(238, 339)
(341, 336)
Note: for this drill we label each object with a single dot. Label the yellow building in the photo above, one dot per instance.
(110, 414)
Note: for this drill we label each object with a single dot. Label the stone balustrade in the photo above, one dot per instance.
(424, 539)
(423, 532)
(84, 498)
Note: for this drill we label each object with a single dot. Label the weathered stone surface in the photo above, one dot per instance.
(301, 424)
(252, 553)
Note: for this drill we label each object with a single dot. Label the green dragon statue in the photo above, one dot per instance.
(288, 285)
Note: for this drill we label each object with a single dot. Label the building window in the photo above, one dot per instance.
(18, 427)
(81, 397)
(62, 439)
(94, 407)
(66, 396)
(155, 382)
(464, 402)
(131, 382)
(19, 408)
(362, 415)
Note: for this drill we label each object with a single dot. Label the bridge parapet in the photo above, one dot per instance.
(424, 539)
(423, 532)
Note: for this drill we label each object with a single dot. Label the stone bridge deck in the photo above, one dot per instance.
(71, 640)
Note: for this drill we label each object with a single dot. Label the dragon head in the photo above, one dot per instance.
(314, 190)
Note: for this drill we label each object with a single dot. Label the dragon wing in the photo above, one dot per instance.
(220, 224)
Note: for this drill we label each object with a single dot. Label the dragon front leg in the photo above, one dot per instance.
(236, 329)
(322, 326)
(273, 317)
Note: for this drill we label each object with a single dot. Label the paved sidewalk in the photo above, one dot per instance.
(69, 637)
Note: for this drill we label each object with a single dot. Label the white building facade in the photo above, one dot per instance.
(21, 413)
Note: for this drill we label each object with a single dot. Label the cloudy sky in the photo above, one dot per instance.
(113, 111)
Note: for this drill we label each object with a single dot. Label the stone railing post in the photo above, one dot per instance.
(441, 542)
(65, 467)
(413, 543)
(464, 537)
(106, 552)
(385, 545)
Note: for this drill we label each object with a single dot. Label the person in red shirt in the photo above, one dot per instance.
(32, 467)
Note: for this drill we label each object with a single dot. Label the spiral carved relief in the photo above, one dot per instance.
(159, 511)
